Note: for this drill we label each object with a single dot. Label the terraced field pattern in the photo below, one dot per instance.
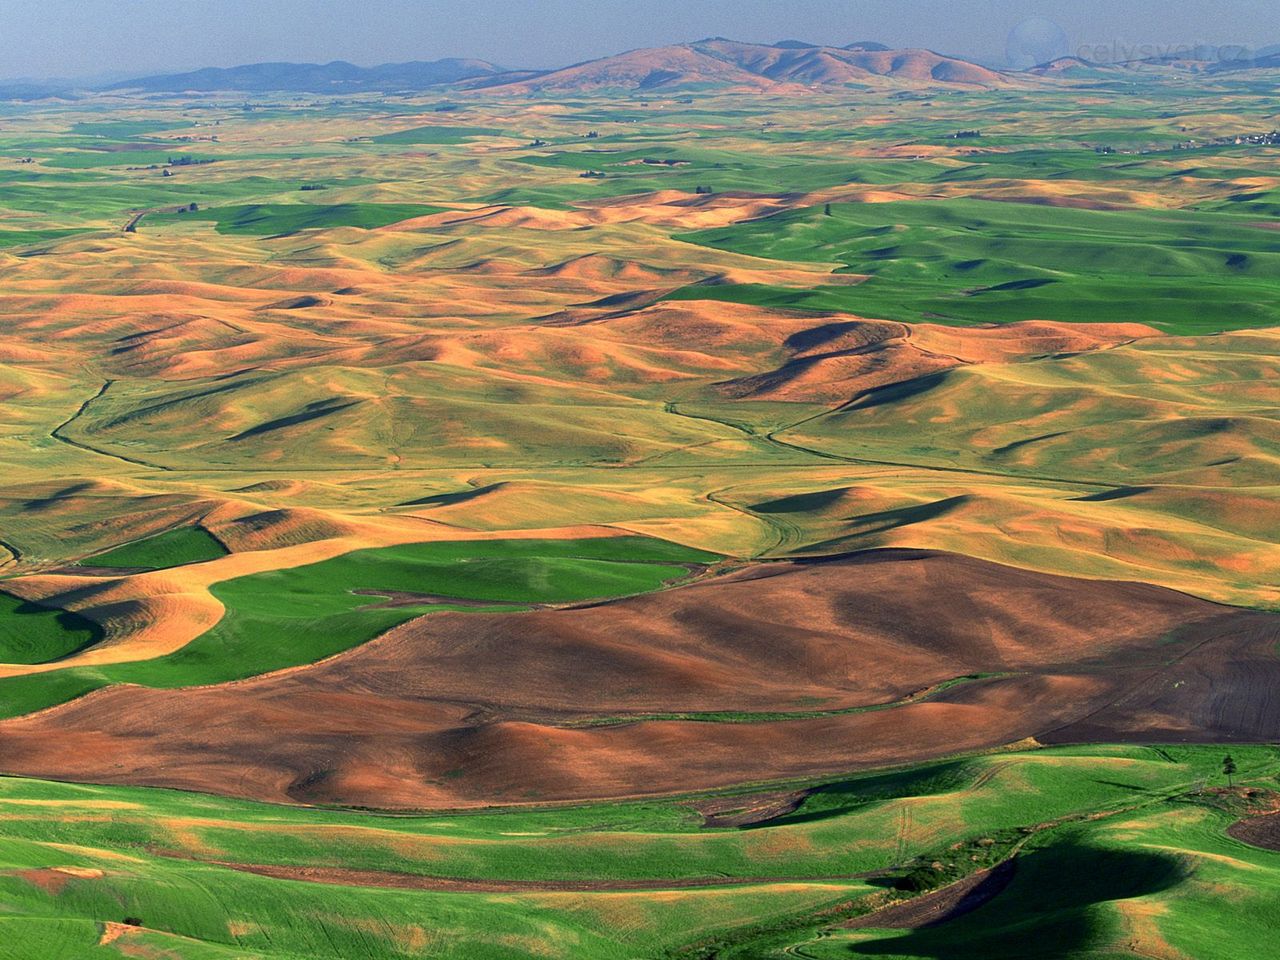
(517, 522)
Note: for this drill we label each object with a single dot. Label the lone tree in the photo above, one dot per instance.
(826, 210)
(1229, 768)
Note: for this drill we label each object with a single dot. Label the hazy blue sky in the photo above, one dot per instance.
(86, 37)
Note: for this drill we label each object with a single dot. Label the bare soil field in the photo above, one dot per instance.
(1260, 831)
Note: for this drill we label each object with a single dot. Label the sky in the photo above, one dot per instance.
(87, 38)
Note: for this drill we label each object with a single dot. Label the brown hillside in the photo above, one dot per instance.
(757, 66)
(830, 65)
(458, 709)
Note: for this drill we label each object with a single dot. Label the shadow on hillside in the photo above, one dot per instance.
(1048, 912)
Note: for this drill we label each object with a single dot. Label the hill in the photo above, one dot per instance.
(722, 62)
(26, 91)
(1268, 59)
(335, 77)
(1073, 67)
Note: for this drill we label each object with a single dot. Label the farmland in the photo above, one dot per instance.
(580, 521)
(89, 870)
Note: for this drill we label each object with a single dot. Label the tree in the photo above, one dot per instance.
(1229, 768)
(826, 210)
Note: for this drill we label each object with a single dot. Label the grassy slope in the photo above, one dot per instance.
(290, 617)
(1147, 412)
(34, 634)
(173, 548)
(1080, 885)
(425, 415)
(977, 261)
(22, 238)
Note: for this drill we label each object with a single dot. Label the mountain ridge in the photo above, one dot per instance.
(712, 61)
(709, 62)
(757, 66)
(335, 76)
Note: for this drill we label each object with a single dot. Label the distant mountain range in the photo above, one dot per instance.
(335, 77)
(713, 62)
(1203, 60)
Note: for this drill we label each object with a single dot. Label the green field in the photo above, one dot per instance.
(112, 129)
(92, 159)
(285, 219)
(300, 615)
(30, 633)
(22, 238)
(172, 548)
(978, 261)
(76, 196)
(1111, 844)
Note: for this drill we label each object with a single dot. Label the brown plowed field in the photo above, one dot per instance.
(1226, 688)
(462, 709)
(1261, 831)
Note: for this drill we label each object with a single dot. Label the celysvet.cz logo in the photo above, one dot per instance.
(1118, 51)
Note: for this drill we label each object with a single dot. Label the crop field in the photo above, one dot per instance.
(1110, 846)
(556, 518)
(979, 261)
(174, 548)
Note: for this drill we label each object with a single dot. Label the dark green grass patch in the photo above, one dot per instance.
(30, 633)
(283, 219)
(172, 548)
